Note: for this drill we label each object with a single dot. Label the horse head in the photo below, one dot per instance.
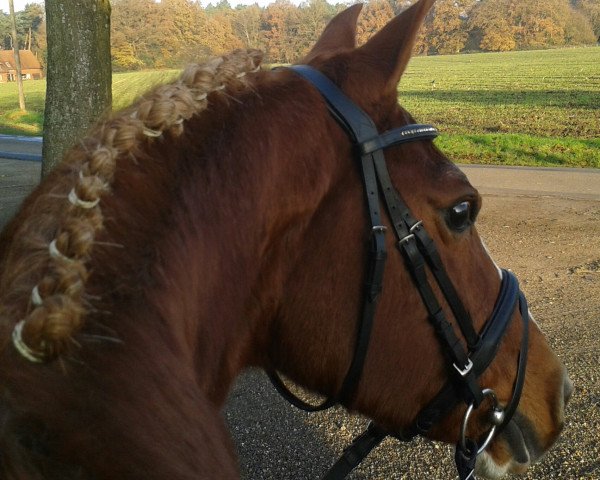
(171, 249)
(318, 322)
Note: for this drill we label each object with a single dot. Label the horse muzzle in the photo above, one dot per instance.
(523, 441)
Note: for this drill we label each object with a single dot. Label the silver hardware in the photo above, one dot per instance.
(411, 235)
(416, 226)
(497, 416)
(464, 371)
(379, 228)
(407, 238)
(496, 419)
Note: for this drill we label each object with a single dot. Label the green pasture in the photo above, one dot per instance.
(514, 108)
(126, 88)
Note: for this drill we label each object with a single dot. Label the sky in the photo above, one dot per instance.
(19, 4)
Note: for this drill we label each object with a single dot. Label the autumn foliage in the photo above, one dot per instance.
(170, 33)
(147, 34)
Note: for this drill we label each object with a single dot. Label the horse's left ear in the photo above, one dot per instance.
(340, 33)
(391, 47)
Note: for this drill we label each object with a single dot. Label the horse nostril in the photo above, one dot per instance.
(567, 388)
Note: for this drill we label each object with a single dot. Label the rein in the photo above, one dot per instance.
(420, 254)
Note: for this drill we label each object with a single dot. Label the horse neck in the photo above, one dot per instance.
(239, 215)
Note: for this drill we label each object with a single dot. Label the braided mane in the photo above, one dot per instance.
(46, 267)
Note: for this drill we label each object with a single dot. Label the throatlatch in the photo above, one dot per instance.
(420, 255)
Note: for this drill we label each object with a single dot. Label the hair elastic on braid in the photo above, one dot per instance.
(78, 202)
(36, 298)
(56, 253)
(21, 346)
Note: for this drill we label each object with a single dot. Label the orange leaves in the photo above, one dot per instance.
(374, 16)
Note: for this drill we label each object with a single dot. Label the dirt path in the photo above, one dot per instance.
(553, 245)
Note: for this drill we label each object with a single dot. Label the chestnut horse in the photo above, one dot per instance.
(216, 224)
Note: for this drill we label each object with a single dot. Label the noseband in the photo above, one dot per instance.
(420, 254)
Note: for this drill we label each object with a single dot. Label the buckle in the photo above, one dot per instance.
(406, 239)
(416, 226)
(411, 235)
(464, 371)
(379, 229)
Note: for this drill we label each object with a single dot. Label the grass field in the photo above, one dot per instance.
(515, 108)
(126, 88)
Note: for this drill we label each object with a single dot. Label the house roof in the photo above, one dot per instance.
(28, 60)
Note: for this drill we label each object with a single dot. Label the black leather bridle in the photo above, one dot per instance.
(420, 254)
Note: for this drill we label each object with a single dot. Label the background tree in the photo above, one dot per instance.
(449, 25)
(151, 34)
(29, 26)
(493, 26)
(312, 19)
(219, 34)
(135, 33)
(13, 25)
(540, 24)
(281, 23)
(579, 29)
(247, 23)
(374, 16)
(79, 73)
(591, 10)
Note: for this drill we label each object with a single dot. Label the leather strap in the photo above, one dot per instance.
(355, 453)
(420, 254)
(359, 126)
(491, 336)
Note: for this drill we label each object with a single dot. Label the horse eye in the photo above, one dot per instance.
(459, 217)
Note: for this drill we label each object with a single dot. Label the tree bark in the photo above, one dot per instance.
(78, 74)
(15, 44)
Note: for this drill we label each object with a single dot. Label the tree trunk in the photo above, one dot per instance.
(13, 22)
(78, 73)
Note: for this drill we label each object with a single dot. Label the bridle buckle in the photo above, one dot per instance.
(411, 235)
(463, 372)
(416, 226)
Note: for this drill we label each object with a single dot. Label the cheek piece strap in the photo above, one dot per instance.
(465, 365)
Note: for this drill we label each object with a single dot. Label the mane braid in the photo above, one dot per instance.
(55, 311)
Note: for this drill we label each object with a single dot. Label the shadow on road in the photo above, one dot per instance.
(274, 440)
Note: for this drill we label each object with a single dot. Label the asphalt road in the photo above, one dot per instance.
(17, 179)
(573, 183)
(276, 441)
(20, 148)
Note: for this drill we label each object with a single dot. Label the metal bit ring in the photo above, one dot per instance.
(497, 418)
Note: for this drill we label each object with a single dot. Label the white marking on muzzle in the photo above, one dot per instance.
(488, 468)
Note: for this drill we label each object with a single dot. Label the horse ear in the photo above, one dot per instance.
(392, 46)
(339, 33)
